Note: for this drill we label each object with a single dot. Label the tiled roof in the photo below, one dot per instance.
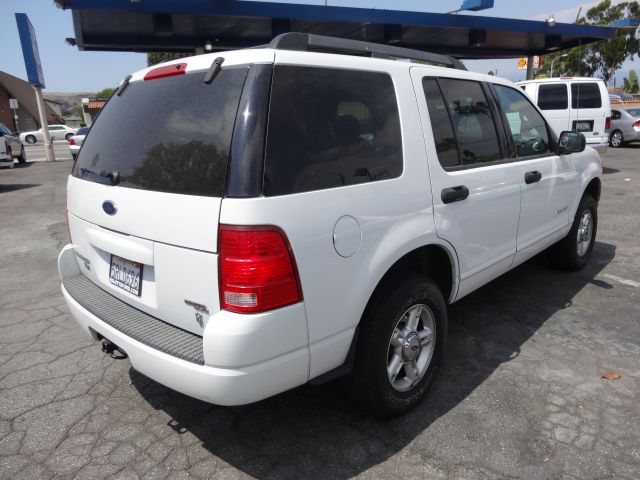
(96, 104)
(26, 96)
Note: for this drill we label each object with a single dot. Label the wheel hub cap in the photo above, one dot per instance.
(411, 347)
(585, 232)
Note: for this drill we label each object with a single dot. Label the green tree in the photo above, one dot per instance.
(606, 56)
(154, 58)
(105, 93)
(631, 82)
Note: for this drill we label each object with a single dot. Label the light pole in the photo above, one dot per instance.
(553, 60)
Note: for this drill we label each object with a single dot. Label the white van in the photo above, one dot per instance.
(579, 104)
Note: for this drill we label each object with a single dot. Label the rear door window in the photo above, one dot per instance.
(472, 121)
(585, 95)
(167, 135)
(330, 128)
(553, 97)
(443, 135)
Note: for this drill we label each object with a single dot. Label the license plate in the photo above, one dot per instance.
(585, 126)
(126, 274)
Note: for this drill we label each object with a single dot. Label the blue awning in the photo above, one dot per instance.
(184, 25)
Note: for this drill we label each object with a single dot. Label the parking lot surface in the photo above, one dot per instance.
(520, 394)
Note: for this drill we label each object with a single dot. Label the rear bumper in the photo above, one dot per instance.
(601, 145)
(633, 136)
(235, 385)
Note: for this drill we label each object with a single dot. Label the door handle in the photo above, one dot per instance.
(454, 194)
(532, 177)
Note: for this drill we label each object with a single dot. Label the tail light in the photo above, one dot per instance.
(636, 124)
(257, 269)
(607, 124)
(72, 141)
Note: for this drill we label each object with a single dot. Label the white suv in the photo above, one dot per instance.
(279, 215)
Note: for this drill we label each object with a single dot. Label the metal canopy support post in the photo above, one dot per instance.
(530, 67)
(42, 112)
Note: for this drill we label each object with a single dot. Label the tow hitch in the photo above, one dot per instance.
(113, 350)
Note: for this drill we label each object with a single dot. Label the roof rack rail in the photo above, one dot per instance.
(321, 43)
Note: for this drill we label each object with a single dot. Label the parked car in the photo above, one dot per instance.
(59, 132)
(75, 142)
(574, 103)
(625, 126)
(10, 148)
(300, 212)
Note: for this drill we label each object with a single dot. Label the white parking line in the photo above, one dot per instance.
(624, 281)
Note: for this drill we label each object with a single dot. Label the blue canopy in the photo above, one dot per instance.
(184, 25)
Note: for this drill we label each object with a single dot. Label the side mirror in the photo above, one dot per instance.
(571, 142)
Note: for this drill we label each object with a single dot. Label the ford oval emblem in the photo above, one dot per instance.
(109, 207)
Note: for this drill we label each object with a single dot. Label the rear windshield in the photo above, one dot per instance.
(82, 131)
(167, 135)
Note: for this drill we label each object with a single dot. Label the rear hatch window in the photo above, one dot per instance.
(167, 135)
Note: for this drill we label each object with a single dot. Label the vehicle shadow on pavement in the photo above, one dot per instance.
(12, 187)
(314, 432)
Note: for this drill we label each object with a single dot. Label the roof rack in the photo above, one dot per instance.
(321, 43)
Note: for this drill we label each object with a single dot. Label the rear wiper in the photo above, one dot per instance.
(214, 69)
(113, 176)
(125, 84)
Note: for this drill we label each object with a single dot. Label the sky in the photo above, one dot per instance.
(66, 69)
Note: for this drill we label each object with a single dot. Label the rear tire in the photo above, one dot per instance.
(68, 136)
(616, 140)
(23, 156)
(30, 139)
(400, 346)
(573, 251)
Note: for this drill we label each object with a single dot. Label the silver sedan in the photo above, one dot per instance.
(625, 126)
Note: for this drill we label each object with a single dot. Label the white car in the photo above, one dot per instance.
(75, 142)
(10, 148)
(582, 104)
(289, 214)
(58, 132)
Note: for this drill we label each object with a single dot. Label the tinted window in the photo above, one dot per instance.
(54, 127)
(553, 97)
(330, 127)
(169, 135)
(585, 95)
(443, 135)
(82, 131)
(528, 128)
(472, 121)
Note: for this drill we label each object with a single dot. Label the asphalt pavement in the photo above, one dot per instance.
(520, 395)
